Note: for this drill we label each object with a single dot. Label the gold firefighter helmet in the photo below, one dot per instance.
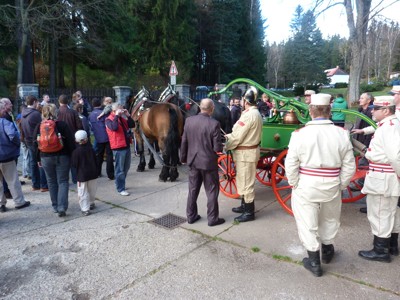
(251, 95)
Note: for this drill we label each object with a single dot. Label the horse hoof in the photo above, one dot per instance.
(151, 167)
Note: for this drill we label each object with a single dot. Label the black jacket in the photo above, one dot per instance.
(84, 160)
(236, 111)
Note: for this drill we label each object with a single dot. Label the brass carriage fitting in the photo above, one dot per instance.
(277, 137)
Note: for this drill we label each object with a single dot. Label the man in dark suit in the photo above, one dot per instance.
(201, 141)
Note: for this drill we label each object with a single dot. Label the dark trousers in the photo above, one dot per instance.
(37, 173)
(100, 149)
(211, 187)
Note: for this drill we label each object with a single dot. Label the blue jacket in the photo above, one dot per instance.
(9, 140)
(98, 126)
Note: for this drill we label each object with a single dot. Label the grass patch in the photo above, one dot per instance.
(283, 258)
(236, 222)
(255, 249)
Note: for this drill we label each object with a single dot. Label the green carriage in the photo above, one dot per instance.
(289, 115)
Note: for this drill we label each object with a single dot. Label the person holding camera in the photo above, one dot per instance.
(118, 124)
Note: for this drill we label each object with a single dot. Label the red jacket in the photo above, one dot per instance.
(117, 131)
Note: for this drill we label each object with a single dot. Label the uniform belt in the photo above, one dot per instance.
(246, 147)
(320, 172)
(383, 168)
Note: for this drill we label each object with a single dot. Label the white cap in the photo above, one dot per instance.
(80, 136)
(320, 99)
(309, 92)
(383, 101)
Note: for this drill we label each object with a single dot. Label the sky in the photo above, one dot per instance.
(279, 14)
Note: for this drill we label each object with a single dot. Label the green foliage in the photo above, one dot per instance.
(303, 53)
(340, 85)
(94, 77)
(255, 249)
(335, 51)
(368, 88)
(299, 89)
(230, 42)
(166, 32)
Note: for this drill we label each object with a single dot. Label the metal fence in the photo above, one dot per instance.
(87, 93)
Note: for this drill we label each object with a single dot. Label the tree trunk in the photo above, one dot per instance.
(27, 70)
(73, 75)
(356, 67)
(358, 41)
(53, 67)
(60, 66)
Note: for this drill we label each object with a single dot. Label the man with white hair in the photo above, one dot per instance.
(201, 141)
(117, 125)
(307, 96)
(319, 165)
(9, 151)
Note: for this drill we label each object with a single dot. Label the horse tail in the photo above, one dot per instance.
(172, 142)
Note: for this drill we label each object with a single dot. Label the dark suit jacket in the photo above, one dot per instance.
(236, 111)
(71, 117)
(201, 141)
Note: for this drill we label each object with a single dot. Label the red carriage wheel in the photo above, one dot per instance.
(264, 167)
(280, 186)
(283, 191)
(227, 176)
(353, 192)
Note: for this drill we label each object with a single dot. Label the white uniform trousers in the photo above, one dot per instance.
(316, 221)
(383, 215)
(9, 171)
(245, 179)
(87, 193)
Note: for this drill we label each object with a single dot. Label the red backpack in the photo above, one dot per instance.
(49, 139)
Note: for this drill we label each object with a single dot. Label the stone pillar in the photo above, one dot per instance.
(25, 89)
(121, 92)
(183, 90)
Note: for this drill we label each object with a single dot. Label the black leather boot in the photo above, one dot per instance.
(394, 244)
(248, 214)
(327, 253)
(380, 252)
(239, 209)
(313, 263)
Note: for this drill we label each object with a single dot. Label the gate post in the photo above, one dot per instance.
(25, 89)
(122, 92)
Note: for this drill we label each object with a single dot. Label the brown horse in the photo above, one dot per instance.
(161, 123)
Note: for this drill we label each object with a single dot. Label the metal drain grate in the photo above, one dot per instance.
(169, 221)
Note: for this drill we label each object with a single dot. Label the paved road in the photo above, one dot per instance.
(116, 253)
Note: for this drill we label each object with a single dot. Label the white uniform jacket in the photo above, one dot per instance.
(384, 156)
(246, 132)
(320, 147)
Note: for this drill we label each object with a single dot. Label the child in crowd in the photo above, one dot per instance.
(107, 107)
(84, 160)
